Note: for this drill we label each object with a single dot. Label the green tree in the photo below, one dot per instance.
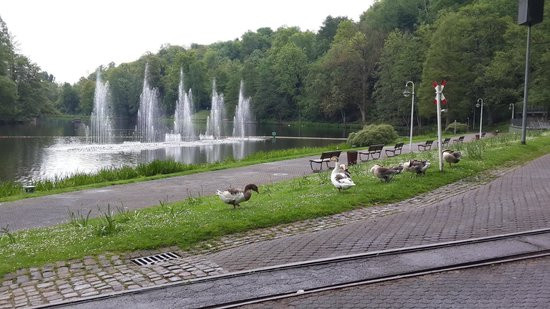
(69, 102)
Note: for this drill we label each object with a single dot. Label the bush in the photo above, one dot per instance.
(460, 127)
(373, 134)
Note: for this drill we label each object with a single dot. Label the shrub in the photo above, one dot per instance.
(460, 127)
(373, 134)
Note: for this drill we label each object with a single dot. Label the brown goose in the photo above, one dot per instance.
(235, 196)
(384, 173)
(451, 156)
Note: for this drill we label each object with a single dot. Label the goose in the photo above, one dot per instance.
(418, 166)
(384, 173)
(235, 196)
(340, 177)
(451, 156)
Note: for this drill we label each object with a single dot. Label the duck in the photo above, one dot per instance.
(340, 177)
(386, 173)
(451, 156)
(236, 196)
(418, 166)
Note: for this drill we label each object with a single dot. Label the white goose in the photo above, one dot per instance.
(340, 178)
(235, 196)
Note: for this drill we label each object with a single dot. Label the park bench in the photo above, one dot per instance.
(325, 158)
(374, 151)
(395, 151)
(460, 139)
(445, 142)
(426, 146)
(483, 134)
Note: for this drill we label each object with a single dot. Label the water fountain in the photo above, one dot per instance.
(243, 117)
(101, 118)
(214, 125)
(183, 124)
(149, 127)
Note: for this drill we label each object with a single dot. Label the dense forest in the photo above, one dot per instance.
(347, 71)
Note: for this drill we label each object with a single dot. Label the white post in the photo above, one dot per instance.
(412, 117)
(454, 132)
(480, 117)
(438, 99)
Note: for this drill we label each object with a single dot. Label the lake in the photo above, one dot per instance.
(59, 147)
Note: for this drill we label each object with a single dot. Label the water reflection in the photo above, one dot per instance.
(59, 148)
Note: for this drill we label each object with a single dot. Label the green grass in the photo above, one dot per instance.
(187, 222)
(10, 191)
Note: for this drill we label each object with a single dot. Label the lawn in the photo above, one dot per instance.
(187, 222)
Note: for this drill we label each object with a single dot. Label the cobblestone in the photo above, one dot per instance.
(422, 219)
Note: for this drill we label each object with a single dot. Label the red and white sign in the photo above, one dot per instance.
(439, 89)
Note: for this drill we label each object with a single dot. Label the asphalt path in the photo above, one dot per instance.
(54, 209)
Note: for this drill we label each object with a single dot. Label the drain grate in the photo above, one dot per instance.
(157, 258)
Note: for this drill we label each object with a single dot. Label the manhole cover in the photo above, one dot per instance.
(157, 258)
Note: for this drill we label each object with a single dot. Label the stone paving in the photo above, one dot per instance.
(109, 273)
(521, 284)
(515, 202)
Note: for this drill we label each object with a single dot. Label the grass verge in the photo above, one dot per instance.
(11, 191)
(187, 222)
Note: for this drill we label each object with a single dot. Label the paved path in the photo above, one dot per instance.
(524, 284)
(54, 209)
(517, 201)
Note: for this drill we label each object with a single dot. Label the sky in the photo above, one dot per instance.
(71, 38)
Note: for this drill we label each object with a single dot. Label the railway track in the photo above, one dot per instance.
(335, 273)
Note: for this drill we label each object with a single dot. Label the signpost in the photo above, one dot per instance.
(530, 12)
(439, 99)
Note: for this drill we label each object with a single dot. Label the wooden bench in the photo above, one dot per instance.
(445, 142)
(426, 146)
(374, 151)
(460, 139)
(483, 134)
(395, 151)
(325, 158)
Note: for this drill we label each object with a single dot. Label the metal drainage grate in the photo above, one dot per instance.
(157, 258)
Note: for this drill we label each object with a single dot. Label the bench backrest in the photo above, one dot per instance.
(399, 145)
(446, 140)
(429, 142)
(376, 147)
(330, 154)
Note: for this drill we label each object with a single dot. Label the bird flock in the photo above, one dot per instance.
(340, 177)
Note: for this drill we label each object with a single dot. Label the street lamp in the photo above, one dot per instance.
(407, 93)
(480, 114)
(512, 107)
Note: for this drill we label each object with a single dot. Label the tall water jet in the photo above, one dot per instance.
(183, 124)
(214, 125)
(243, 117)
(149, 127)
(101, 118)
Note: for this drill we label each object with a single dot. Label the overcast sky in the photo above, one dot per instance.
(70, 38)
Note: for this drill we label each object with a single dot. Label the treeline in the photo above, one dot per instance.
(349, 71)
(25, 90)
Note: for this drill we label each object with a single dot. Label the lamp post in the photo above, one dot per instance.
(406, 93)
(480, 114)
(512, 107)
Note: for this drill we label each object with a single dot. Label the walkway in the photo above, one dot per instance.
(54, 209)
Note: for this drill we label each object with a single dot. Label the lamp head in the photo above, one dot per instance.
(406, 92)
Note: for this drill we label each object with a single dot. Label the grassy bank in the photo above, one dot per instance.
(10, 191)
(187, 222)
